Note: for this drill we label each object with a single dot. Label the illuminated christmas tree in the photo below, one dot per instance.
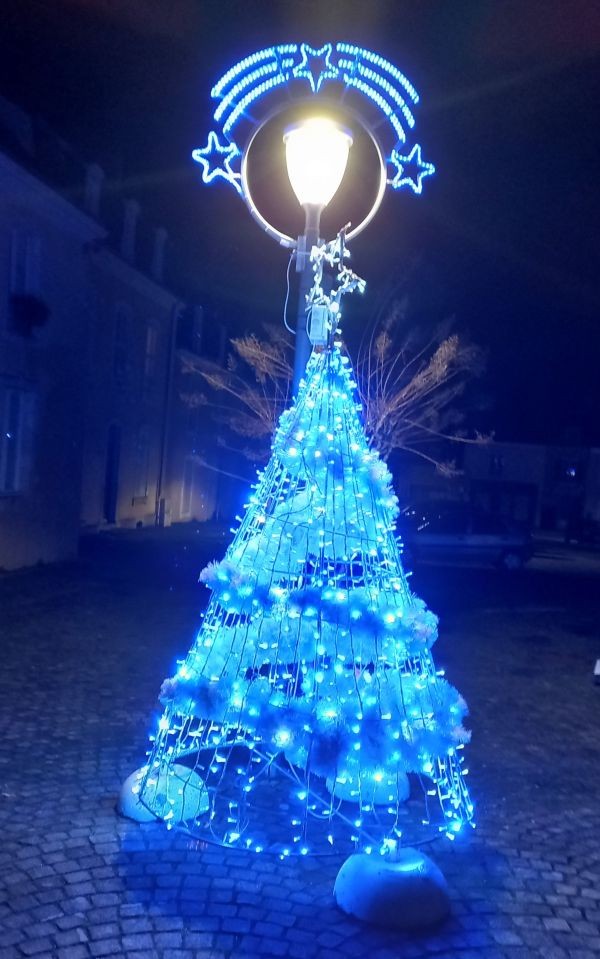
(310, 691)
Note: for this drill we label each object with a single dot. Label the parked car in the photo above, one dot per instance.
(456, 532)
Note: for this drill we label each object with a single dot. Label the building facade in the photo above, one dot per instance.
(94, 429)
(194, 467)
(44, 300)
(545, 487)
(553, 488)
(126, 398)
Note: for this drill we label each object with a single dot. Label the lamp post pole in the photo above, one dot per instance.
(316, 153)
(309, 238)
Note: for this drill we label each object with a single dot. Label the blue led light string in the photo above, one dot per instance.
(359, 53)
(403, 176)
(246, 64)
(379, 100)
(389, 90)
(303, 69)
(310, 691)
(288, 66)
(249, 79)
(263, 87)
(324, 407)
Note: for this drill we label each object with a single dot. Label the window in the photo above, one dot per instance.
(25, 251)
(25, 310)
(122, 352)
(16, 439)
(151, 355)
(142, 463)
(567, 469)
(197, 330)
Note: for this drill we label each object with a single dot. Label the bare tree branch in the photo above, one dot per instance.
(408, 388)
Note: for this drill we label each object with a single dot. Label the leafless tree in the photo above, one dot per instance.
(250, 393)
(409, 387)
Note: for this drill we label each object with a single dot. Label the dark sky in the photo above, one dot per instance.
(506, 233)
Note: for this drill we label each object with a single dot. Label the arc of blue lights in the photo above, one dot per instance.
(380, 101)
(250, 97)
(390, 90)
(254, 76)
(405, 178)
(370, 74)
(238, 68)
(359, 53)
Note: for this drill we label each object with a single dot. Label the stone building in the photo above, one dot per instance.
(133, 320)
(547, 487)
(195, 468)
(44, 297)
(93, 430)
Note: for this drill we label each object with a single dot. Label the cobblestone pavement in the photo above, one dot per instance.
(84, 651)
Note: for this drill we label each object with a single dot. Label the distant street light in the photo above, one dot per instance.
(316, 153)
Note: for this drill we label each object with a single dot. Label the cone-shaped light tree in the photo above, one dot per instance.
(308, 713)
(310, 691)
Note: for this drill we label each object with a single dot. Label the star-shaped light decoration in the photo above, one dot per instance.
(217, 159)
(316, 66)
(410, 169)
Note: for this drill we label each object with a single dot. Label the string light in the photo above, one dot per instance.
(403, 176)
(314, 656)
(306, 68)
(216, 160)
(274, 68)
(312, 667)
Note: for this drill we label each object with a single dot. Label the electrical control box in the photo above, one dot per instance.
(318, 326)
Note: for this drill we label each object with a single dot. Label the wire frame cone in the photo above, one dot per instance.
(310, 690)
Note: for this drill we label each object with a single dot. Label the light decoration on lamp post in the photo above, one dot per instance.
(316, 153)
(379, 96)
(310, 694)
(373, 94)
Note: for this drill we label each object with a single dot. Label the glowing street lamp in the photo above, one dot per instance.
(370, 90)
(316, 154)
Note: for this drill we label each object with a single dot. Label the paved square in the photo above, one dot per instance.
(84, 651)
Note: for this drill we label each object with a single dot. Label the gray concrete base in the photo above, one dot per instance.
(178, 795)
(407, 891)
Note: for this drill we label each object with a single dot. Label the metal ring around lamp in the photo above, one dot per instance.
(282, 238)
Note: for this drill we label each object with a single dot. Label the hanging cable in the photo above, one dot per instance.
(287, 296)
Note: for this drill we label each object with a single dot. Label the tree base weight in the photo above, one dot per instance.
(405, 890)
(176, 795)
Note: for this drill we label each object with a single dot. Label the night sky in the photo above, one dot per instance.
(505, 236)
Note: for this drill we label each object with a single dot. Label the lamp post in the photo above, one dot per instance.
(316, 152)
(279, 617)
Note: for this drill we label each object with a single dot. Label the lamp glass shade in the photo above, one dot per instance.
(316, 153)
